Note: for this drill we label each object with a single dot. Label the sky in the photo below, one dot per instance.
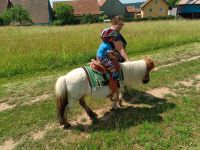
(123, 1)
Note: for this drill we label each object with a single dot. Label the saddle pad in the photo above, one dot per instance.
(95, 78)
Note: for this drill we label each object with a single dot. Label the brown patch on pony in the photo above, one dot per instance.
(150, 63)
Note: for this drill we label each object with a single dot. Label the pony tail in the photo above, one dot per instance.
(61, 98)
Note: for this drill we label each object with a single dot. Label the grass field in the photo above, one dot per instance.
(47, 48)
(33, 57)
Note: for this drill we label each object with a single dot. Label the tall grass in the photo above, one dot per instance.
(32, 49)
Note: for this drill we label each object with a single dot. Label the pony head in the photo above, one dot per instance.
(150, 65)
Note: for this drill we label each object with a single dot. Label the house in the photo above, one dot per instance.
(4, 4)
(39, 10)
(131, 12)
(154, 8)
(112, 8)
(82, 7)
(189, 8)
(135, 4)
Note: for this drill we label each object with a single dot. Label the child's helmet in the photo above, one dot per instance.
(107, 33)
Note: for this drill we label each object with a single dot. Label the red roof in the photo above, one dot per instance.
(185, 2)
(83, 6)
(102, 2)
(3, 5)
(130, 9)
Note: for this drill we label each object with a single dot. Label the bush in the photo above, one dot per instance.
(57, 23)
(150, 19)
(88, 18)
(102, 17)
(19, 14)
(6, 18)
(15, 14)
(63, 14)
(1, 21)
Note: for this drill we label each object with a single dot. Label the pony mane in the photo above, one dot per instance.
(133, 72)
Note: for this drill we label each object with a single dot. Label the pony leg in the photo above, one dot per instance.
(62, 101)
(91, 114)
(62, 107)
(121, 97)
(115, 100)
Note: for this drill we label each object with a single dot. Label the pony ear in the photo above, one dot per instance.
(148, 58)
(150, 62)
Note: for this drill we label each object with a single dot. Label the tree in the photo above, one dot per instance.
(64, 13)
(172, 3)
(19, 14)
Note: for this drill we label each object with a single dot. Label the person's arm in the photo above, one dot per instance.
(120, 48)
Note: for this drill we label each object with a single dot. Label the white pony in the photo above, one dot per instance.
(74, 86)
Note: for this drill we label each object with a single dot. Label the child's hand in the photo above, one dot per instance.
(111, 55)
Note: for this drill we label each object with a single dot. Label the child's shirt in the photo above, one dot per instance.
(103, 50)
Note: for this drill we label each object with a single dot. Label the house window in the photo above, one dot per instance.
(161, 9)
(150, 10)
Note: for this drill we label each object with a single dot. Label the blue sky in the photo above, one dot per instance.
(123, 1)
(131, 1)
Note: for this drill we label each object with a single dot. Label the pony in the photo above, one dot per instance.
(74, 86)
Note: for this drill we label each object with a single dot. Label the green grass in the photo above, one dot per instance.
(171, 122)
(47, 48)
(17, 122)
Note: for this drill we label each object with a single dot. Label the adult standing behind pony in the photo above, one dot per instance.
(119, 42)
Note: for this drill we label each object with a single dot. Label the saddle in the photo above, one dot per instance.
(96, 66)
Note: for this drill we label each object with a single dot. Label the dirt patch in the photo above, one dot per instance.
(39, 98)
(175, 63)
(8, 145)
(84, 118)
(186, 83)
(197, 77)
(5, 106)
(191, 82)
(40, 134)
(151, 94)
(160, 92)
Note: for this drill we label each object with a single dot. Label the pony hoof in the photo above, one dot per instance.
(67, 126)
(121, 105)
(95, 120)
(95, 114)
(115, 108)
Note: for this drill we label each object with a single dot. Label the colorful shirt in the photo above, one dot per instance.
(103, 50)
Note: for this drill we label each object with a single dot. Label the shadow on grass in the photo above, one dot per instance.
(145, 108)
